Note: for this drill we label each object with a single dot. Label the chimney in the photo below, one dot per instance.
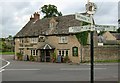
(31, 17)
(36, 16)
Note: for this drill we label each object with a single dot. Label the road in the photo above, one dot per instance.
(36, 71)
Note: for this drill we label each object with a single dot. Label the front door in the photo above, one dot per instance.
(47, 55)
(42, 55)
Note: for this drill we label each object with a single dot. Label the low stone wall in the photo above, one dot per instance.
(102, 53)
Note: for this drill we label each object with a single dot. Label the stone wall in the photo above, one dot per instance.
(102, 53)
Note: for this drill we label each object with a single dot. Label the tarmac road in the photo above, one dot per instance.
(36, 71)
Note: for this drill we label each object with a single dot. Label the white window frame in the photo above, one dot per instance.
(34, 52)
(51, 25)
(63, 39)
(33, 40)
(60, 52)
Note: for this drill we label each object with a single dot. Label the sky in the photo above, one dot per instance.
(14, 14)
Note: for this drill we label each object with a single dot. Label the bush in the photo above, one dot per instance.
(19, 56)
(66, 59)
(32, 58)
(53, 57)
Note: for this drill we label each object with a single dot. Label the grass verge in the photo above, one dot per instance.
(104, 61)
(7, 53)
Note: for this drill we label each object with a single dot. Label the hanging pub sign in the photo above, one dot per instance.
(91, 8)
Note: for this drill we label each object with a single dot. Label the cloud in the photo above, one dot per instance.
(14, 14)
(107, 14)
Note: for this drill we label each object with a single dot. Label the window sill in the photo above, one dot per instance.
(62, 43)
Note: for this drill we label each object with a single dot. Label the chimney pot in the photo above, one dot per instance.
(36, 16)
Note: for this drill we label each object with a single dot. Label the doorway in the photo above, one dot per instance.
(48, 56)
(45, 55)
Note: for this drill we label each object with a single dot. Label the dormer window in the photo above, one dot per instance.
(51, 25)
(41, 39)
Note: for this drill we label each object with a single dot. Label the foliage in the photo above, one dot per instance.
(6, 44)
(104, 61)
(7, 53)
(32, 58)
(101, 33)
(19, 56)
(83, 36)
(66, 59)
(50, 11)
(54, 56)
(118, 30)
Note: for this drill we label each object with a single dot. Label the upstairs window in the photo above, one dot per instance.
(21, 40)
(63, 39)
(33, 40)
(51, 25)
(41, 39)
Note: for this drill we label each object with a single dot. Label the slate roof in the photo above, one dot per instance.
(116, 35)
(42, 25)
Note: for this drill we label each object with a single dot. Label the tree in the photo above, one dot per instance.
(118, 30)
(50, 11)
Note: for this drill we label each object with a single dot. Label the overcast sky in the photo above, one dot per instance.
(14, 14)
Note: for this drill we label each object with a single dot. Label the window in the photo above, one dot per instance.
(21, 40)
(21, 51)
(33, 40)
(63, 52)
(59, 52)
(34, 52)
(51, 25)
(63, 39)
(75, 51)
(41, 39)
(66, 52)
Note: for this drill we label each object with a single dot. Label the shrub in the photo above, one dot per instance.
(32, 58)
(54, 57)
(66, 59)
(19, 56)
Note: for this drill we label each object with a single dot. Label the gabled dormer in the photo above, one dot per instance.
(53, 23)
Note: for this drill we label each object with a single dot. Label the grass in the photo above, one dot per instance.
(104, 61)
(107, 61)
(7, 53)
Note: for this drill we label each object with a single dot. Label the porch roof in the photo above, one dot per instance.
(47, 46)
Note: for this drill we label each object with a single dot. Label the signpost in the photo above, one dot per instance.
(81, 17)
(105, 28)
(77, 29)
(90, 10)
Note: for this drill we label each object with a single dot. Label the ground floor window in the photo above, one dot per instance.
(63, 53)
(75, 51)
(34, 52)
(21, 51)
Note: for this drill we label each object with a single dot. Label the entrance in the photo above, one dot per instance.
(45, 55)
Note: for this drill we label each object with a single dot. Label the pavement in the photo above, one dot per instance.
(37, 71)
